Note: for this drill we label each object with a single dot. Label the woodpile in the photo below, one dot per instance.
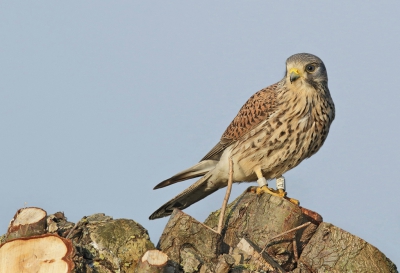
(259, 234)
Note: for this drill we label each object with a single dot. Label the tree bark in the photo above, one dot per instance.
(43, 253)
(107, 245)
(332, 249)
(190, 243)
(27, 222)
(225, 263)
(57, 223)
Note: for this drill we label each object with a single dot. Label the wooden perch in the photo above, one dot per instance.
(152, 261)
(43, 253)
(27, 222)
(260, 218)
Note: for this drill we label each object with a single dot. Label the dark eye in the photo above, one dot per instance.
(310, 68)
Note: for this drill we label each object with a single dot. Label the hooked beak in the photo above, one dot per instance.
(294, 74)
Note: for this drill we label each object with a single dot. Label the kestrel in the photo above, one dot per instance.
(276, 129)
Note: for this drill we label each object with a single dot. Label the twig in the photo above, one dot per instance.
(286, 232)
(226, 198)
(295, 252)
(290, 230)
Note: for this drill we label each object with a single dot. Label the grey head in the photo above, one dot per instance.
(308, 67)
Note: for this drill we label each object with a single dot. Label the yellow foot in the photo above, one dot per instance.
(265, 189)
(280, 193)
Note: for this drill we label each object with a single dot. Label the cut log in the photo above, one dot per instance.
(153, 261)
(260, 218)
(107, 245)
(332, 249)
(27, 222)
(185, 236)
(44, 253)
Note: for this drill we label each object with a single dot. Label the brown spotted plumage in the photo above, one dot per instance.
(277, 128)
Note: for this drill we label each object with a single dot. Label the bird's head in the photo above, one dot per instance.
(304, 68)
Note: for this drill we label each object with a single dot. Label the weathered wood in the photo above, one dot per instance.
(185, 240)
(107, 245)
(153, 261)
(57, 223)
(43, 253)
(27, 222)
(104, 245)
(225, 263)
(332, 249)
(260, 218)
(258, 259)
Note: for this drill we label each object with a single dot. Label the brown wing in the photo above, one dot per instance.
(258, 108)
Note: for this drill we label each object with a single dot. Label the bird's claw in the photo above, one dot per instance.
(265, 189)
(279, 193)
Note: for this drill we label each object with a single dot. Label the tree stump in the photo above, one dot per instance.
(27, 222)
(43, 253)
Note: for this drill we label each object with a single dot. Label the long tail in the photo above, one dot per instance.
(197, 170)
(191, 195)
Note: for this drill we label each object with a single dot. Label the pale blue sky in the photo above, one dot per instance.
(101, 100)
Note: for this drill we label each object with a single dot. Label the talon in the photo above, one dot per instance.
(265, 189)
(279, 193)
(282, 193)
(294, 201)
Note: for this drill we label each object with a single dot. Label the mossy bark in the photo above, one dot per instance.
(107, 245)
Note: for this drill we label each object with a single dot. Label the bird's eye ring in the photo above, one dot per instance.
(310, 68)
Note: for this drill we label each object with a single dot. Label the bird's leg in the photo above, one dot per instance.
(263, 184)
(280, 185)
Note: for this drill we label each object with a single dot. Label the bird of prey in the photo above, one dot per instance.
(276, 129)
